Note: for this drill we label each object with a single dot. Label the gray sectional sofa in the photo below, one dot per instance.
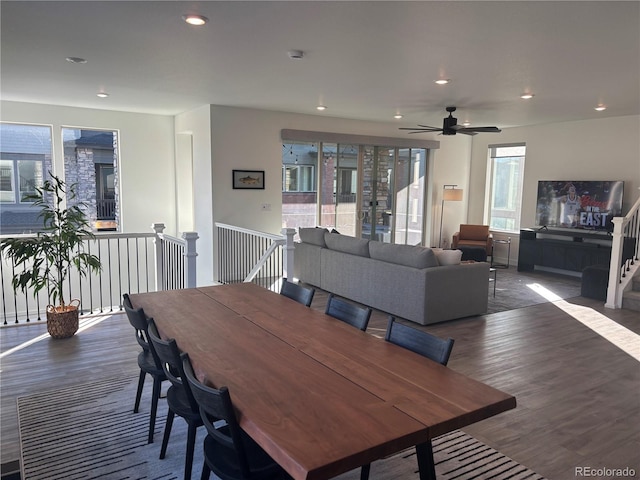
(403, 280)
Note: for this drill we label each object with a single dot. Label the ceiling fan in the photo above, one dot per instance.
(450, 127)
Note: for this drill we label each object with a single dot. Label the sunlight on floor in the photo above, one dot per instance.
(84, 324)
(620, 336)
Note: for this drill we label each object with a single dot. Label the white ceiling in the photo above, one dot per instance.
(363, 59)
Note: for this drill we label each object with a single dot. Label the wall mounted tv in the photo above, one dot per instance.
(588, 205)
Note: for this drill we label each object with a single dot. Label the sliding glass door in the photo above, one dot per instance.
(368, 191)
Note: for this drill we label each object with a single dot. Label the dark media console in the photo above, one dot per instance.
(571, 250)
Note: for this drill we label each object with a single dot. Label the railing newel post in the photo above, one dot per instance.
(190, 255)
(289, 248)
(158, 228)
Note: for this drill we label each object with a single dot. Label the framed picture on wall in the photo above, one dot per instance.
(248, 179)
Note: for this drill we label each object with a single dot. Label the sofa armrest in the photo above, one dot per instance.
(456, 291)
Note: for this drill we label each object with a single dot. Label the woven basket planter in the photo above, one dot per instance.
(62, 322)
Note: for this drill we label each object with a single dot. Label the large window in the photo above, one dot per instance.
(506, 164)
(91, 162)
(25, 159)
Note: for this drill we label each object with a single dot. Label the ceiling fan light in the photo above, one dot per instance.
(196, 20)
(600, 108)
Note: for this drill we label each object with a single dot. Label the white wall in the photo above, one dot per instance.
(195, 187)
(602, 149)
(146, 155)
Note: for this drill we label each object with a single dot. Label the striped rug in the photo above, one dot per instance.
(89, 431)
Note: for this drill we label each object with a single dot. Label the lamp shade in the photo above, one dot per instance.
(452, 194)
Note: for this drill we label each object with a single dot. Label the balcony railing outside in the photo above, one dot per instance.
(131, 263)
(251, 256)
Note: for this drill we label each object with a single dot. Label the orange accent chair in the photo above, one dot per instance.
(473, 236)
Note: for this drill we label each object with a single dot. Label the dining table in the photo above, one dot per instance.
(318, 395)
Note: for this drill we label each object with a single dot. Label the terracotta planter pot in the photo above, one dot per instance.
(62, 322)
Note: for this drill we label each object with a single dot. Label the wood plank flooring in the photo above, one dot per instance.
(577, 392)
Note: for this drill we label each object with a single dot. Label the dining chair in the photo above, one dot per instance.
(300, 294)
(229, 452)
(354, 315)
(180, 399)
(148, 361)
(427, 345)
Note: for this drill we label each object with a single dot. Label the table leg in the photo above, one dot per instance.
(426, 465)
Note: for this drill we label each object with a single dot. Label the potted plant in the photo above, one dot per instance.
(46, 259)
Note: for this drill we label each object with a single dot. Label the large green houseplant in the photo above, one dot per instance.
(46, 259)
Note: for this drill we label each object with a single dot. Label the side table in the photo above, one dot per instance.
(506, 242)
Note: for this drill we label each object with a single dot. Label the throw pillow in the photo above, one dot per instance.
(448, 257)
(314, 236)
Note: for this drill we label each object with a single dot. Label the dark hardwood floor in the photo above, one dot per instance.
(577, 391)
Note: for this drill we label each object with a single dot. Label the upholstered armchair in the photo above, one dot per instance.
(473, 236)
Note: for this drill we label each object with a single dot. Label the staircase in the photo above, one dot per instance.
(631, 298)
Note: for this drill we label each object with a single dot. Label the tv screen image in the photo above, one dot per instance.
(588, 205)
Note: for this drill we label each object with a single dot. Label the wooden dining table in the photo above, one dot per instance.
(320, 396)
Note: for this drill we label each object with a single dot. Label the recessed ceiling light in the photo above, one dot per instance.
(321, 107)
(466, 124)
(600, 108)
(442, 81)
(196, 20)
(295, 54)
(102, 94)
(527, 96)
(397, 116)
(76, 60)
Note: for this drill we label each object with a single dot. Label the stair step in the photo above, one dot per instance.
(631, 300)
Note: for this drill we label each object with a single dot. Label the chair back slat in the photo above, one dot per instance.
(418, 341)
(350, 313)
(139, 320)
(300, 294)
(169, 355)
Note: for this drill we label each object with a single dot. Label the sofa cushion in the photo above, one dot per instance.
(448, 257)
(314, 236)
(407, 255)
(346, 244)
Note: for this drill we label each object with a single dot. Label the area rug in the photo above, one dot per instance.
(522, 289)
(89, 431)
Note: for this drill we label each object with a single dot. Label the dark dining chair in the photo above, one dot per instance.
(427, 345)
(419, 341)
(354, 315)
(300, 294)
(180, 399)
(148, 361)
(229, 452)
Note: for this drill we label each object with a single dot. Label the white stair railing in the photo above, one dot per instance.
(245, 255)
(131, 263)
(625, 250)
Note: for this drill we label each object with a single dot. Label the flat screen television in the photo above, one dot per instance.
(587, 205)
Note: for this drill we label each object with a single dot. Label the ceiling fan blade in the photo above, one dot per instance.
(422, 129)
(463, 129)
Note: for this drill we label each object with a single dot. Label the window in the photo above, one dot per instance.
(25, 158)
(506, 164)
(298, 178)
(91, 162)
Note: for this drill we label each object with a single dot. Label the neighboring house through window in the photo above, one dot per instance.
(90, 162)
(506, 167)
(25, 159)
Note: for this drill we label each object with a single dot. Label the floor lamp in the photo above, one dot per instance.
(449, 194)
